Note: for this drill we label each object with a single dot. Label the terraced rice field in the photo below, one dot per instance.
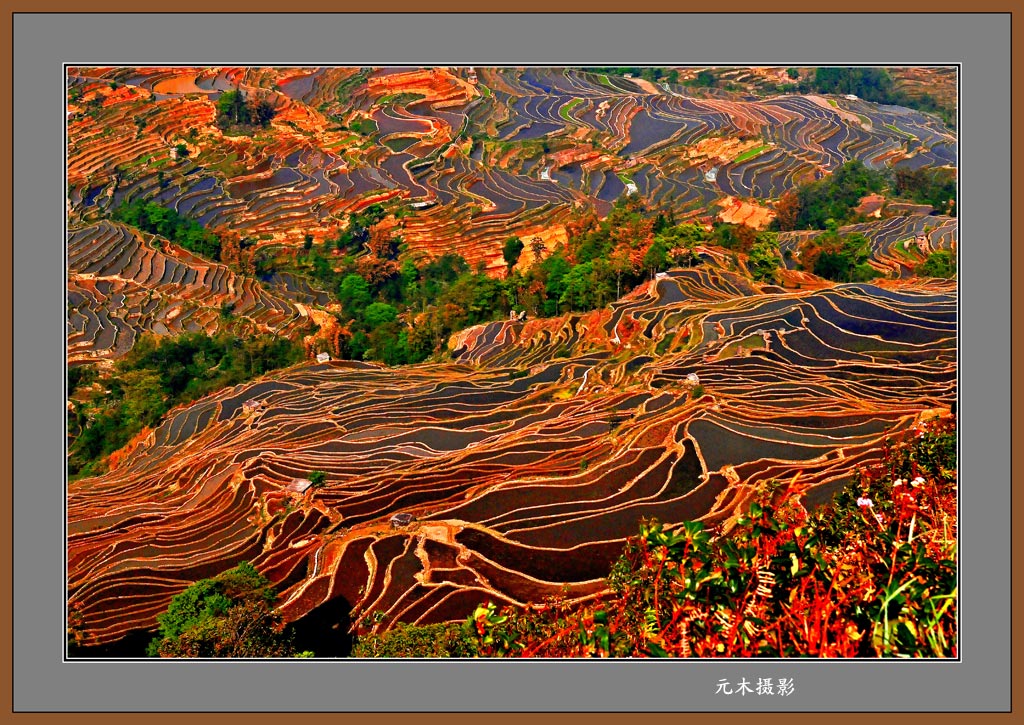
(529, 456)
(120, 285)
(473, 149)
(898, 243)
(525, 469)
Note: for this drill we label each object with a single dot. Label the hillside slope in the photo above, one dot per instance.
(526, 462)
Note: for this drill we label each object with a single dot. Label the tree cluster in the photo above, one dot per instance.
(155, 219)
(405, 640)
(935, 187)
(703, 79)
(838, 257)
(400, 309)
(832, 198)
(872, 84)
(230, 615)
(234, 109)
(763, 261)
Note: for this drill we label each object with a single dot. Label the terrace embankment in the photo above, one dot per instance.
(524, 463)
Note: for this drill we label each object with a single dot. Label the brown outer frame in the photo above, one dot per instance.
(449, 6)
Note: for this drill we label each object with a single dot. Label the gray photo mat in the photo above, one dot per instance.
(43, 43)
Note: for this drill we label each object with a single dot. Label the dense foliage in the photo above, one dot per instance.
(935, 187)
(939, 264)
(400, 308)
(230, 615)
(834, 197)
(873, 574)
(234, 109)
(763, 261)
(156, 375)
(511, 250)
(703, 79)
(871, 84)
(838, 257)
(156, 219)
(432, 640)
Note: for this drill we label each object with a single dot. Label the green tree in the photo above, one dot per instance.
(836, 196)
(354, 294)
(317, 478)
(143, 396)
(840, 258)
(763, 260)
(511, 250)
(577, 292)
(155, 219)
(232, 106)
(358, 345)
(379, 314)
(602, 282)
(704, 79)
(935, 187)
(553, 271)
(189, 628)
(247, 629)
(656, 256)
(161, 372)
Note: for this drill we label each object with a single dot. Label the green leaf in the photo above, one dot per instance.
(656, 650)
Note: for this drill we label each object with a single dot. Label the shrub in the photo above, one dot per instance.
(406, 640)
(939, 264)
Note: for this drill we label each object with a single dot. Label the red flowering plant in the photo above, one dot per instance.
(872, 574)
